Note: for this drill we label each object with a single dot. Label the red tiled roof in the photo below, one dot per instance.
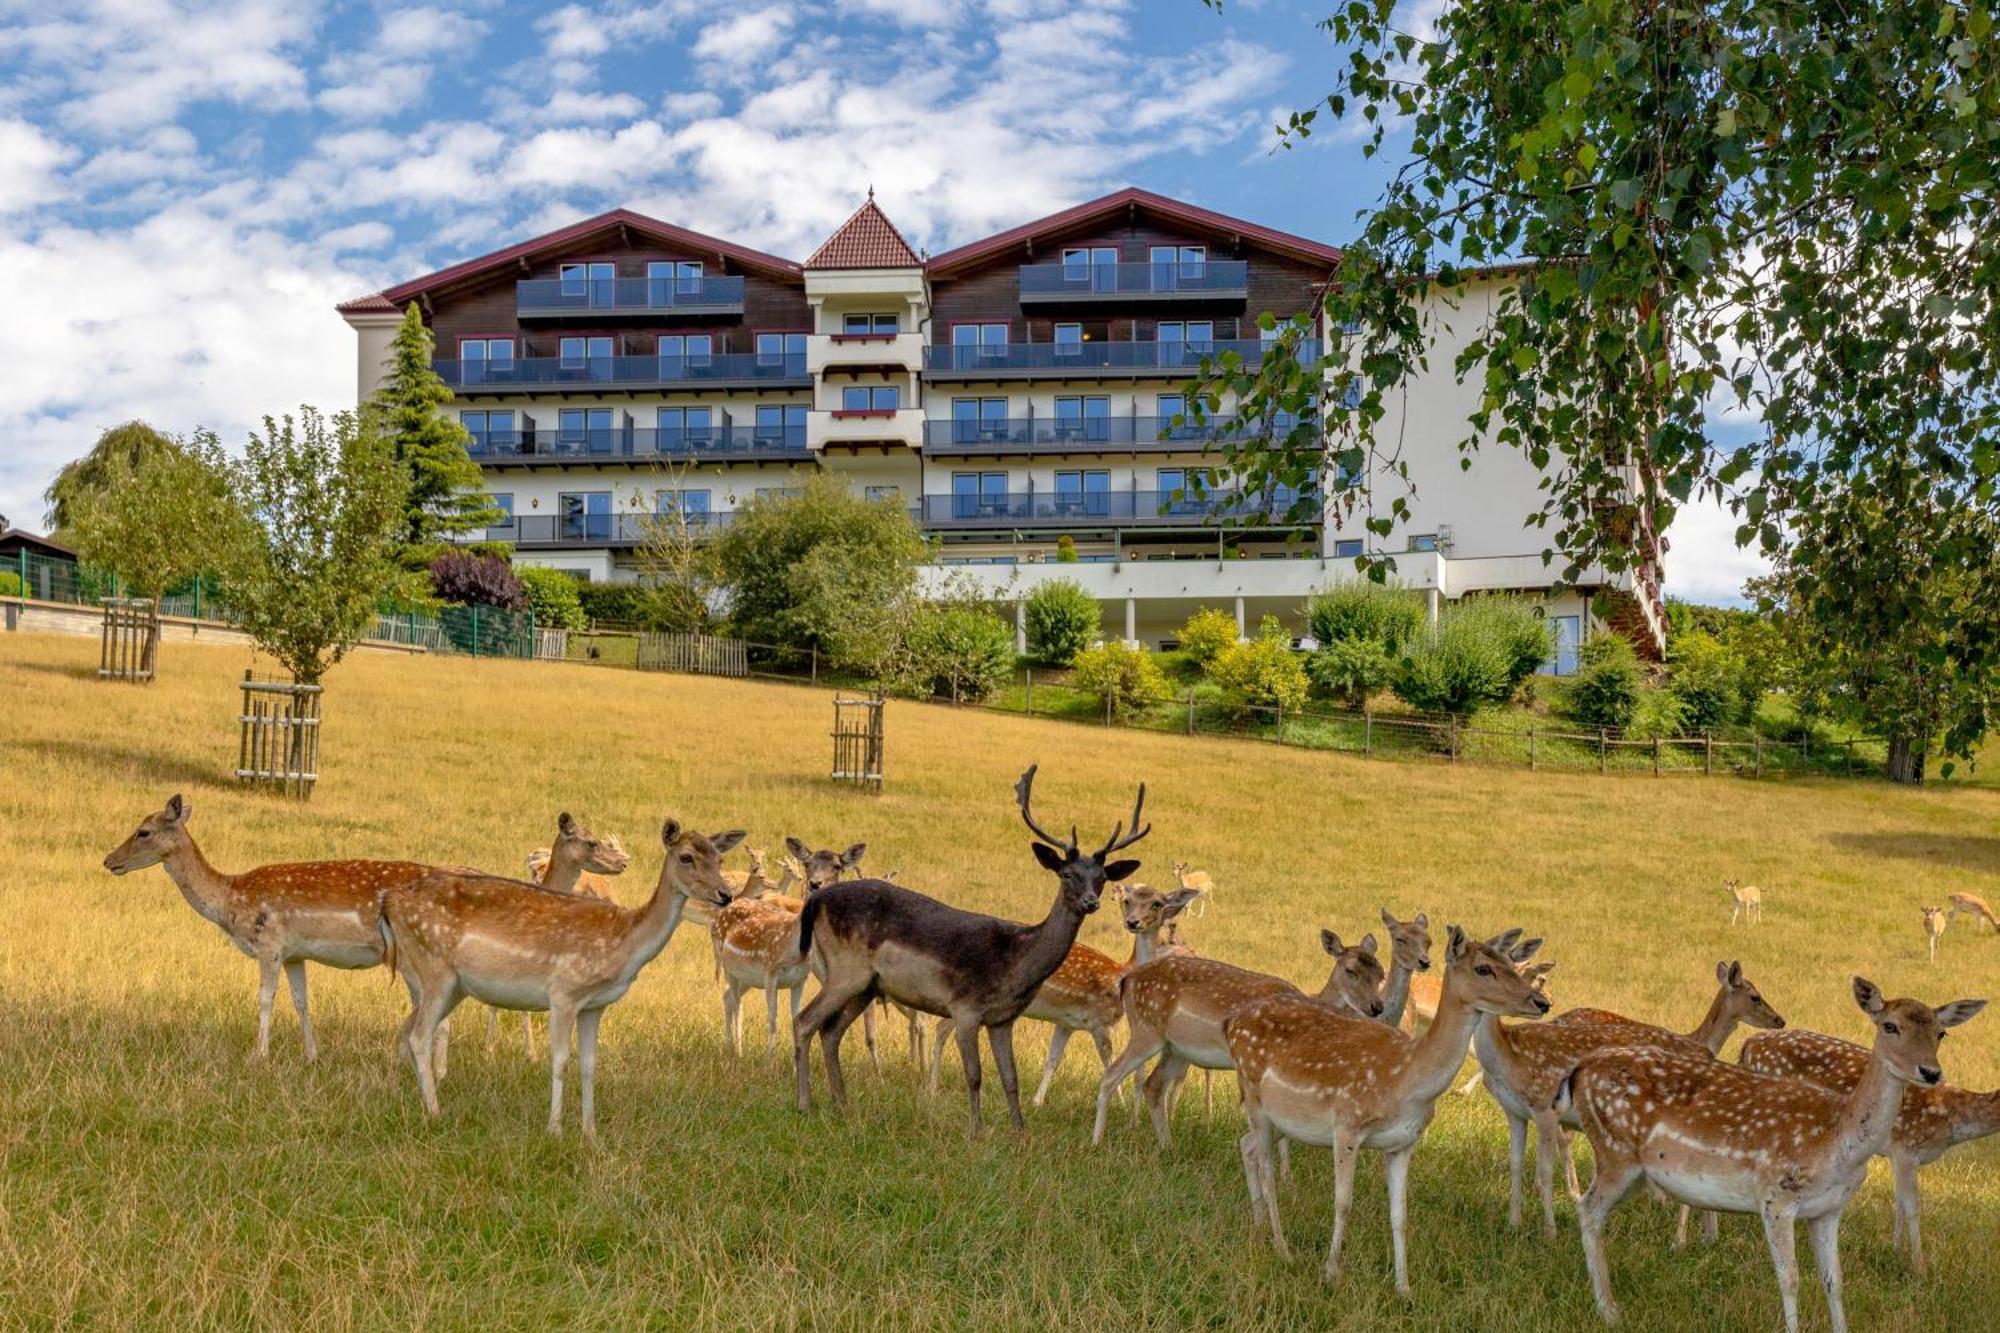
(570, 235)
(371, 304)
(866, 240)
(1132, 197)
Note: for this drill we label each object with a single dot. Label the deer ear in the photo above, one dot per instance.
(852, 856)
(1735, 977)
(1951, 1015)
(797, 848)
(177, 809)
(1423, 921)
(1118, 870)
(565, 825)
(1330, 941)
(1050, 858)
(1722, 972)
(725, 843)
(1525, 950)
(1179, 899)
(670, 832)
(1455, 943)
(1868, 995)
(1388, 922)
(1368, 944)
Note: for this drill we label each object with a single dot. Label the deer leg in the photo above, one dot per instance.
(561, 1018)
(1824, 1232)
(1711, 1227)
(1058, 1039)
(1001, 1038)
(942, 1031)
(868, 1039)
(527, 1034)
(1517, 1159)
(1609, 1184)
(804, 1025)
(295, 973)
(1909, 1208)
(1548, 1135)
(441, 1056)
(1681, 1227)
(770, 1020)
(732, 1018)
(830, 1038)
(1208, 1093)
(434, 1004)
(916, 1026)
(1160, 1084)
(586, 1065)
(1267, 1182)
(1398, 1173)
(968, 1055)
(267, 991)
(1104, 1052)
(1284, 1159)
(492, 1028)
(1252, 1176)
(1345, 1155)
(1473, 1084)
(1781, 1234)
(1140, 1046)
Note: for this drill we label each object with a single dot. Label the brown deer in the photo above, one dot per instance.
(1319, 1077)
(756, 942)
(284, 916)
(577, 862)
(518, 946)
(1934, 923)
(1720, 1137)
(1409, 954)
(1974, 906)
(1748, 902)
(822, 869)
(876, 938)
(1174, 1008)
(1524, 1066)
(1933, 1120)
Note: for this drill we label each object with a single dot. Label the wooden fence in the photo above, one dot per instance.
(131, 639)
(857, 740)
(551, 645)
(700, 654)
(278, 746)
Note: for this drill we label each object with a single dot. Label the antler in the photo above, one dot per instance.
(1118, 843)
(1023, 791)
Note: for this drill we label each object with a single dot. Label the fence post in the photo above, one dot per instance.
(1601, 751)
(1108, 695)
(815, 662)
(475, 629)
(197, 597)
(1531, 749)
(1190, 711)
(1708, 754)
(1368, 731)
(1029, 673)
(1451, 735)
(1656, 756)
(1278, 725)
(1760, 754)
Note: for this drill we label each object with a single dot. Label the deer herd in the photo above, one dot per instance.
(1785, 1133)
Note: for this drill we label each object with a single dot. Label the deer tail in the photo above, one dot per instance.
(388, 935)
(807, 915)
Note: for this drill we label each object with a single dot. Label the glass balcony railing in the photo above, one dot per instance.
(637, 296)
(1213, 279)
(627, 529)
(1081, 435)
(1104, 508)
(1171, 357)
(718, 443)
(529, 373)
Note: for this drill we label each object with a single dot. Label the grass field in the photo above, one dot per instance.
(151, 1175)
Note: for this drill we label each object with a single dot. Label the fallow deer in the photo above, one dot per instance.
(1720, 1137)
(1187, 877)
(577, 862)
(1175, 1007)
(875, 938)
(756, 942)
(1934, 923)
(1409, 954)
(518, 946)
(1524, 1066)
(1319, 1077)
(824, 868)
(1933, 1120)
(1747, 900)
(1974, 906)
(284, 916)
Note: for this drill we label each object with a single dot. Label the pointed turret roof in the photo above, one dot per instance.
(866, 240)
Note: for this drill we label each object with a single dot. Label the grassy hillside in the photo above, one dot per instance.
(150, 1174)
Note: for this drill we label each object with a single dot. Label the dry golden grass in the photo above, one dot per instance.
(149, 1174)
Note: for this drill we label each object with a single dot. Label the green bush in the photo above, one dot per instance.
(1473, 657)
(1350, 670)
(1382, 613)
(1709, 679)
(1208, 634)
(1126, 677)
(963, 651)
(1523, 634)
(10, 584)
(1657, 713)
(1065, 550)
(1263, 673)
(613, 603)
(552, 596)
(1062, 621)
(1605, 692)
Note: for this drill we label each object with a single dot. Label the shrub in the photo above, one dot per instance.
(614, 603)
(1065, 550)
(1382, 613)
(1350, 670)
(964, 651)
(552, 596)
(464, 578)
(1523, 635)
(1657, 713)
(1709, 681)
(1605, 692)
(1263, 673)
(10, 584)
(1126, 677)
(1208, 634)
(1062, 621)
(1467, 661)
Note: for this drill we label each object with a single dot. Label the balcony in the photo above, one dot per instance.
(1090, 360)
(890, 426)
(632, 374)
(1210, 280)
(1023, 436)
(638, 298)
(581, 531)
(897, 352)
(639, 444)
(1101, 509)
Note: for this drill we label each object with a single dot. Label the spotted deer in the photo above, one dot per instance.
(1524, 1066)
(875, 938)
(1175, 1006)
(825, 868)
(1747, 902)
(1974, 906)
(1319, 1077)
(1409, 955)
(1934, 924)
(283, 916)
(517, 946)
(1721, 1137)
(577, 862)
(1933, 1120)
(756, 943)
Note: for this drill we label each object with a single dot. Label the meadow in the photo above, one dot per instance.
(152, 1174)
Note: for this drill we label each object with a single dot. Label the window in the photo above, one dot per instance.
(868, 324)
(974, 420)
(491, 431)
(684, 354)
(1178, 266)
(505, 504)
(1095, 264)
(584, 430)
(978, 494)
(1183, 342)
(1083, 418)
(583, 516)
(778, 492)
(592, 356)
(1423, 541)
(782, 350)
(1167, 406)
(874, 493)
(1069, 340)
(693, 505)
(686, 428)
(1086, 492)
(973, 343)
(781, 423)
(481, 359)
(1183, 490)
(590, 284)
(1350, 392)
(868, 398)
(1564, 662)
(672, 280)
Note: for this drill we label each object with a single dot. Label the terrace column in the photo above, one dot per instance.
(1239, 618)
(1131, 620)
(1431, 605)
(1020, 627)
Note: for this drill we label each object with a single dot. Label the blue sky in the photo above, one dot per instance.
(186, 189)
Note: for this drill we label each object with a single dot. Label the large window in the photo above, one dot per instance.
(781, 423)
(869, 324)
(505, 504)
(671, 280)
(584, 516)
(868, 398)
(693, 505)
(1183, 490)
(594, 284)
(1095, 264)
(585, 430)
(1184, 342)
(591, 356)
(686, 428)
(1177, 266)
(973, 343)
(492, 432)
(1085, 492)
(978, 420)
(1068, 340)
(1167, 406)
(1423, 541)
(683, 354)
(481, 359)
(978, 494)
(1347, 548)
(1083, 418)
(787, 350)
(1564, 662)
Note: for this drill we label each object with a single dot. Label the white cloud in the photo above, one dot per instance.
(28, 163)
(570, 106)
(1704, 564)
(742, 38)
(392, 73)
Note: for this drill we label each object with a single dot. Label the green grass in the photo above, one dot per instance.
(151, 1175)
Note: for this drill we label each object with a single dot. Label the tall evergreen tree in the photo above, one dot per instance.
(444, 491)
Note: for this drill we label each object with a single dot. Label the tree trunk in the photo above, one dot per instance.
(1906, 759)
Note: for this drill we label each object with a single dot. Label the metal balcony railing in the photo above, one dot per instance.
(1021, 435)
(528, 374)
(718, 443)
(1172, 357)
(1101, 508)
(1213, 279)
(635, 296)
(625, 529)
